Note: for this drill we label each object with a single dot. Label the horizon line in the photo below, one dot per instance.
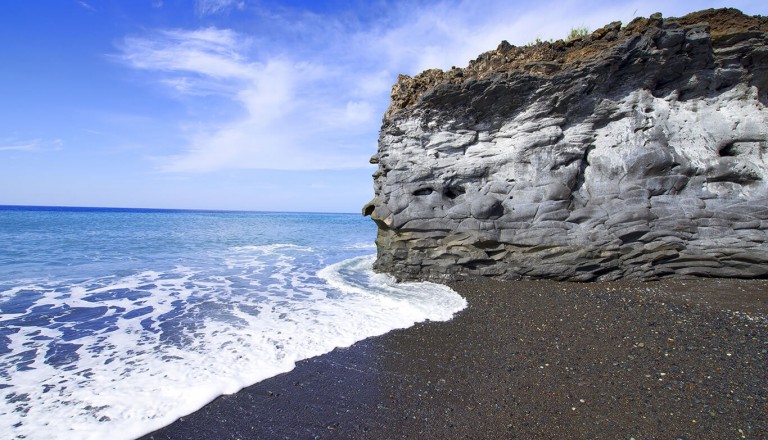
(124, 208)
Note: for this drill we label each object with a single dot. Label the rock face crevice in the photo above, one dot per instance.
(638, 152)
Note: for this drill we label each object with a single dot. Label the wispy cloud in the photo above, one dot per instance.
(213, 7)
(86, 6)
(189, 51)
(23, 147)
(290, 119)
(310, 88)
(34, 145)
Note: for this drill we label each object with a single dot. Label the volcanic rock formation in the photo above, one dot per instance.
(636, 152)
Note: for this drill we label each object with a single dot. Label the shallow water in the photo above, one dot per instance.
(117, 322)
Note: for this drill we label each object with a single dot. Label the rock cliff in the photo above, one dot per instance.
(636, 152)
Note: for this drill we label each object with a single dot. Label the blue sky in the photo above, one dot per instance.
(235, 104)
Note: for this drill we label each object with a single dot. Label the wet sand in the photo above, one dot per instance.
(538, 359)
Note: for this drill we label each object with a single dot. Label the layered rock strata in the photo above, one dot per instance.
(636, 152)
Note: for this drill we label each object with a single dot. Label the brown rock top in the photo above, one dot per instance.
(547, 58)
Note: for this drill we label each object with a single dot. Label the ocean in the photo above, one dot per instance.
(116, 322)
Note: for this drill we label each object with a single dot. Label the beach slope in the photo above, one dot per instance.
(531, 359)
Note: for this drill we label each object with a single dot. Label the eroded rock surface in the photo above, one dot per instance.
(636, 152)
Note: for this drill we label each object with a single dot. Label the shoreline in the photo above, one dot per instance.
(529, 359)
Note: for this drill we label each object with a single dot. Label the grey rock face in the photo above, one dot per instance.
(635, 153)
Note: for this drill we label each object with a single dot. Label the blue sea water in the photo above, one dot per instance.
(115, 322)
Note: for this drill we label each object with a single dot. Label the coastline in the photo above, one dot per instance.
(530, 359)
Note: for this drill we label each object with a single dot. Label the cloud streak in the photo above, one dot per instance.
(22, 147)
(86, 6)
(31, 145)
(213, 7)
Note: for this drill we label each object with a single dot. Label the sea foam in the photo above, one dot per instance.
(123, 355)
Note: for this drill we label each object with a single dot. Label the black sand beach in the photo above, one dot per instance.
(657, 360)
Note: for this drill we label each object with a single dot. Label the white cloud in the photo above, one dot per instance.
(311, 88)
(288, 120)
(86, 6)
(34, 145)
(209, 52)
(20, 147)
(213, 7)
